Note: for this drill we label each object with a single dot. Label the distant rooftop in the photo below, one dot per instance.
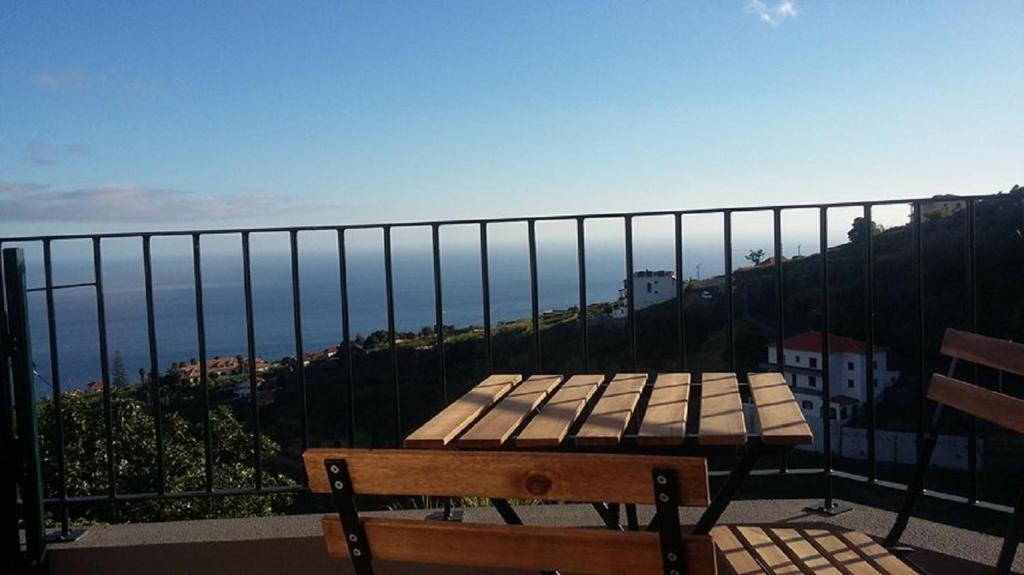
(811, 341)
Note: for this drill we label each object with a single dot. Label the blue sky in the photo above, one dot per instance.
(132, 115)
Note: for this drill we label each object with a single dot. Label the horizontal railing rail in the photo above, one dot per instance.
(61, 501)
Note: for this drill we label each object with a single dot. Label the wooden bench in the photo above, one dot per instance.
(666, 482)
(794, 548)
(994, 407)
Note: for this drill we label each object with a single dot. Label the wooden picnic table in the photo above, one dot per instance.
(675, 414)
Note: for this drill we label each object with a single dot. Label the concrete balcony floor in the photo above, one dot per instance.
(293, 544)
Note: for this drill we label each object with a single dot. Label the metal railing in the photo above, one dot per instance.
(62, 500)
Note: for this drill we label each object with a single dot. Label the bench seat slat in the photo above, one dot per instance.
(530, 548)
(807, 556)
(992, 406)
(524, 475)
(848, 560)
(988, 351)
(734, 558)
(791, 549)
(879, 556)
(766, 551)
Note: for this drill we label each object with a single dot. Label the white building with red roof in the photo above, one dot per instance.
(848, 370)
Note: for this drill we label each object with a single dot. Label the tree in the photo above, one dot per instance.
(119, 374)
(379, 338)
(755, 256)
(858, 232)
(134, 443)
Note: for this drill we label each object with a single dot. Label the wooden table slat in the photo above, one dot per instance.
(607, 422)
(781, 420)
(445, 426)
(551, 424)
(664, 420)
(721, 412)
(494, 429)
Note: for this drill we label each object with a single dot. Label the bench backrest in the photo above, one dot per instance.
(991, 406)
(568, 477)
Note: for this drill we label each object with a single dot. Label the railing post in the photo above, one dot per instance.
(829, 506)
(9, 540)
(18, 348)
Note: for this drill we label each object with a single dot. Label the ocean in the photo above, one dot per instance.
(224, 305)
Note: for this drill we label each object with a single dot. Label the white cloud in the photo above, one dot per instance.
(22, 202)
(40, 153)
(60, 80)
(772, 15)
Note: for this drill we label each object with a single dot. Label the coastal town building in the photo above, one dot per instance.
(848, 361)
(218, 367)
(649, 288)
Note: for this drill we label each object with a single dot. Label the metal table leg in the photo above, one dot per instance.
(728, 491)
(605, 512)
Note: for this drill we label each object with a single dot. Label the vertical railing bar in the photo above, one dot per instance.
(101, 325)
(9, 532)
(154, 365)
(26, 450)
(58, 413)
(731, 336)
(392, 337)
(680, 291)
(204, 383)
(972, 325)
(531, 232)
(869, 339)
(581, 267)
(250, 338)
(485, 297)
(630, 295)
(826, 356)
(439, 312)
(780, 293)
(485, 288)
(300, 354)
(346, 335)
(921, 346)
(780, 310)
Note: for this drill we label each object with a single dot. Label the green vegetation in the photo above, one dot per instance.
(135, 465)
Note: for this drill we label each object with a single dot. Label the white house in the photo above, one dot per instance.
(848, 359)
(649, 288)
(241, 390)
